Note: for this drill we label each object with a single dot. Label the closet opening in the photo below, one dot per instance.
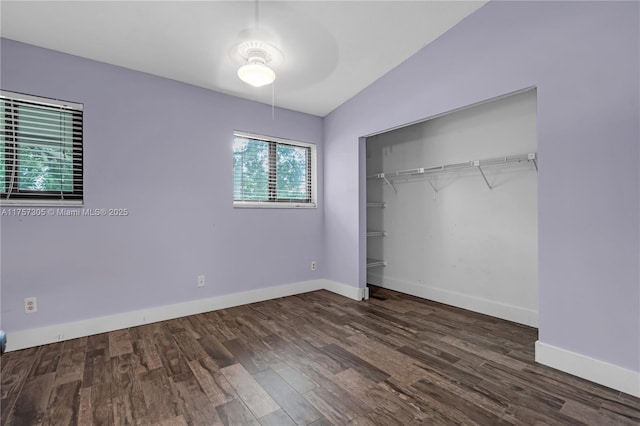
(452, 208)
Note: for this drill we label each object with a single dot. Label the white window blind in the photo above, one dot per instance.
(272, 172)
(41, 159)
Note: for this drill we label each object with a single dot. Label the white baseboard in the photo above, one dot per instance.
(603, 373)
(476, 304)
(55, 333)
(354, 293)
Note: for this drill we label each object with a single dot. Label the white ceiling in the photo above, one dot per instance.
(331, 49)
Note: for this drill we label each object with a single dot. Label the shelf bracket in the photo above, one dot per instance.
(387, 182)
(477, 164)
(533, 158)
(432, 185)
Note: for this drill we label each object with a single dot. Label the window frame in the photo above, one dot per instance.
(274, 202)
(12, 194)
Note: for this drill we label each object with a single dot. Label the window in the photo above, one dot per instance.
(271, 172)
(40, 150)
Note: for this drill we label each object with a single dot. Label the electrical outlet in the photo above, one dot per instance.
(200, 280)
(30, 305)
(313, 265)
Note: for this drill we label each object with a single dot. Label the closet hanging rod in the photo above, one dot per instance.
(532, 156)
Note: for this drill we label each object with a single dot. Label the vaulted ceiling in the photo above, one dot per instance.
(331, 50)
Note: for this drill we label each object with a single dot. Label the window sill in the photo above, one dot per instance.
(41, 203)
(271, 205)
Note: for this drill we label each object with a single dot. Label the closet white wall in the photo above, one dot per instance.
(465, 245)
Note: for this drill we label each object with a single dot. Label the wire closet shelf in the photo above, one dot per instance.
(476, 164)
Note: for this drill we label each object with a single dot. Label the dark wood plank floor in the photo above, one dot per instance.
(313, 359)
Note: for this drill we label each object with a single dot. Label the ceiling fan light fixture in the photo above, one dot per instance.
(255, 72)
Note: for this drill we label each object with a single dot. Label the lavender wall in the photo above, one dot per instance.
(584, 59)
(163, 150)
